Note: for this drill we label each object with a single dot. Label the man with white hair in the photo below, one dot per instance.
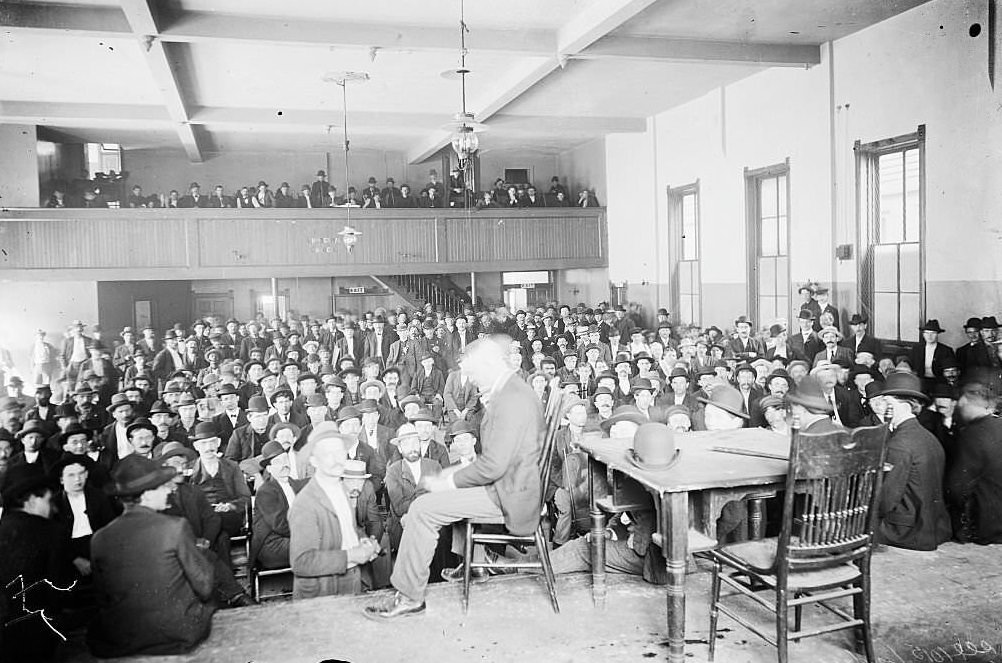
(501, 482)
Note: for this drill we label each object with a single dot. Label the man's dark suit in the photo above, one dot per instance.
(917, 359)
(974, 482)
(806, 349)
(244, 442)
(225, 426)
(912, 513)
(270, 542)
(297, 418)
(840, 353)
(190, 201)
(371, 347)
(158, 602)
(512, 434)
(357, 347)
(744, 349)
(866, 344)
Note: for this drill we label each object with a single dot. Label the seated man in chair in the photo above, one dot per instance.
(501, 483)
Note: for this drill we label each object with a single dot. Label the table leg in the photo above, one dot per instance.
(597, 541)
(675, 525)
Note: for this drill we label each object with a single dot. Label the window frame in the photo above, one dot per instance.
(753, 181)
(867, 156)
(676, 250)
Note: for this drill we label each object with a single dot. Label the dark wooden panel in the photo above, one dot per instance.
(82, 243)
(192, 244)
(273, 242)
(514, 237)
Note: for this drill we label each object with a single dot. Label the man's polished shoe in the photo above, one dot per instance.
(394, 607)
(456, 574)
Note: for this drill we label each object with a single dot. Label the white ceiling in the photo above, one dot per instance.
(248, 74)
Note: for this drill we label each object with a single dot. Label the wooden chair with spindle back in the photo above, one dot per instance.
(825, 543)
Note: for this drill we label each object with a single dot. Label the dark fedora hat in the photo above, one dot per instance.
(258, 404)
(461, 426)
(641, 384)
(858, 319)
(32, 426)
(727, 398)
(904, 384)
(653, 448)
(117, 401)
(348, 412)
(175, 448)
(805, 314)
(228, 390)
(282, 391)
(782, 373)
(811, 395)
(141, 422)
(22, 479)
(989, 322)
(269, 452)
(135, 474)
(624, 413)
(75, 429)
(205, 430)
(159, 407)
(932, 325)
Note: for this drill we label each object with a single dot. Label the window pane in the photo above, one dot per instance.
(885, 268)
(891, 202)
(784, 241)
(910, 268)
(684, 278)
(885, 315)
(767, 277)
(782, 306)
(782, 278)
(766, 309)
(769, 238)
(767, 197)
(910, 316)
(912, 195)
(781, 193)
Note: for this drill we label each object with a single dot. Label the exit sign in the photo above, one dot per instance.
(357, 291)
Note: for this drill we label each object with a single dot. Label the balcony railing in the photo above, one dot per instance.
(130, 244)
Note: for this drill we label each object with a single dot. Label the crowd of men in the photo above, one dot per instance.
(451, 192)
(343, 433)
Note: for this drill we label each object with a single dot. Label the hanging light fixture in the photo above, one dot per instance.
(464, 126)
(349, 235)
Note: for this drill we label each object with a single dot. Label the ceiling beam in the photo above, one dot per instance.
(71, 114)
(705, 51)
(196, 26)
(213, 26)
(598, 20)
(92, 20)
(142, 18)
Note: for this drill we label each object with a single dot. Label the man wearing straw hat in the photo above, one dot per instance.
(502, 482)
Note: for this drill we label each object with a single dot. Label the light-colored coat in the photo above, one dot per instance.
(319, 565)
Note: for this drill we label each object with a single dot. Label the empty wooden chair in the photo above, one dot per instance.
(824, 547)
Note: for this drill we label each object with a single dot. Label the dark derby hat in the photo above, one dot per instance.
(858, 319)
(135, 474)
(933, 326)
(904, 384)
(973, 323)
(811, 395)
(137, 424)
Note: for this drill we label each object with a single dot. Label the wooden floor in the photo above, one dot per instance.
(928, 607)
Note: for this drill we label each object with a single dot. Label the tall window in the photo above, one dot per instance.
(768, 195)
(683, 249)
(891, 196)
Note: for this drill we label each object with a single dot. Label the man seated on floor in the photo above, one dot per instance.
(154, 589)
(326, 548)
(502, 483)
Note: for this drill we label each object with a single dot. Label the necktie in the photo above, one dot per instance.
(835, 417)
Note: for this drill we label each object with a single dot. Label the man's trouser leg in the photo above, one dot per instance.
(426, 516)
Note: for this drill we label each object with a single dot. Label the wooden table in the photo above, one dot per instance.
(688, 496)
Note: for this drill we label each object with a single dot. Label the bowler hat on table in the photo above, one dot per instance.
(653, 448)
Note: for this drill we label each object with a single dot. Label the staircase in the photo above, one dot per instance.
(421, 289)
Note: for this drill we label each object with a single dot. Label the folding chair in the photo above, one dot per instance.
(824, 547)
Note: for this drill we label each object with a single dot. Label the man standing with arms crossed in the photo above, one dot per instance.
(502, 482)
